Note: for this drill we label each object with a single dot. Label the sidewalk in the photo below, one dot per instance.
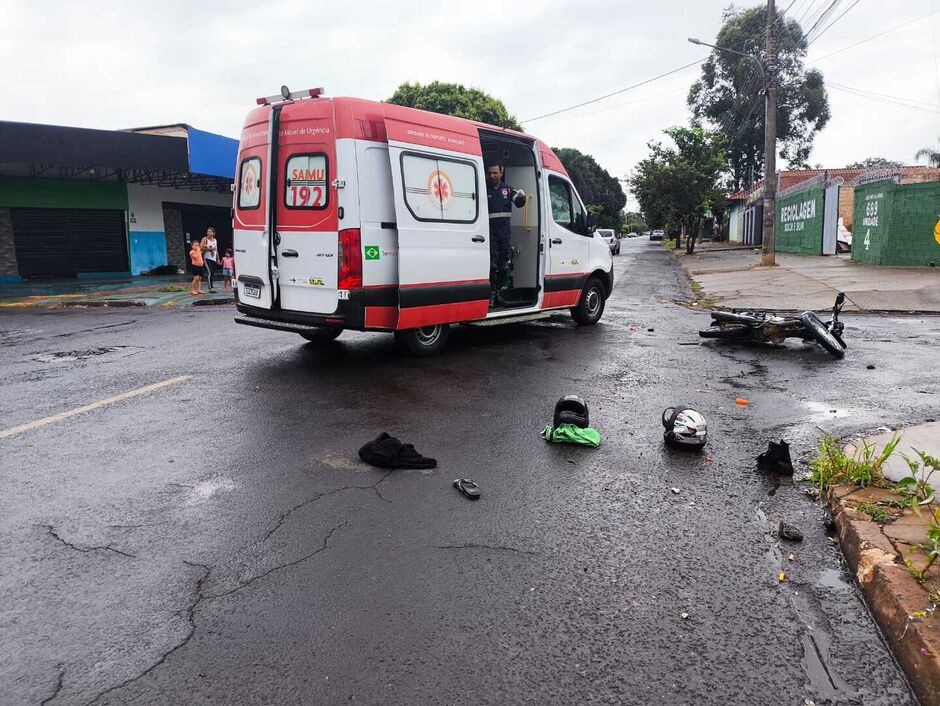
(734, 279)
(132, 291)
(883, 544)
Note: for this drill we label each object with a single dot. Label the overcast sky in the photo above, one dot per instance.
(127, 63)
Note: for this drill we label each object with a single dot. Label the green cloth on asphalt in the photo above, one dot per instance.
(570, 434)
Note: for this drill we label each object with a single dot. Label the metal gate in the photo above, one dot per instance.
(60, 242)
(831, 216)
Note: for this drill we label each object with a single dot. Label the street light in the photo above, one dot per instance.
(768, 255)
(760, 65)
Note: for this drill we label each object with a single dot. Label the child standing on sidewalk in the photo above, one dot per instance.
(195, 256)
(228, 270)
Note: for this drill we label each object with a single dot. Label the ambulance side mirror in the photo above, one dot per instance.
(591, 222)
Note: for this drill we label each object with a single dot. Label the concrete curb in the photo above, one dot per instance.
(894, 596)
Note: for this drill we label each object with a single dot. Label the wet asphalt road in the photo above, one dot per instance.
(218, 540)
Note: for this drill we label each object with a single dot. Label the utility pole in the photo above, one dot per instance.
(770, 139)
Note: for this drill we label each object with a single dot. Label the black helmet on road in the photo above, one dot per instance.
(685, 428)
(571, 409)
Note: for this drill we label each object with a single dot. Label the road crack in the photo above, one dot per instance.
(58, 685)
(101, 548)
(284, 516)
(279, 567)
(494, 547)
(190, 616)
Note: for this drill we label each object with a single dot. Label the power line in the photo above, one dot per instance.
(881, 99)
(624, 105)
(614, 93)
(823, 31)
(924, 104)
(822, 18)
(875, 36)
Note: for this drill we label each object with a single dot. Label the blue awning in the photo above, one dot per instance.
(212, 155)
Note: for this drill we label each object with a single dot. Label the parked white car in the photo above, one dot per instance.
(609, 236)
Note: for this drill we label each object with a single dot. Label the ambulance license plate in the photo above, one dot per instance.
(251, 290)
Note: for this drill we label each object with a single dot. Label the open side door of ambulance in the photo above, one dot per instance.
(443, 227)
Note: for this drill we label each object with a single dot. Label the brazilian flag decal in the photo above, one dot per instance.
(372, 252)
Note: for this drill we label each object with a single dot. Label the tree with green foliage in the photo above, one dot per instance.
(729, 98)
(595, 185)
(455, 99)
(678, 186)
(931, 154)
(633, 222)
(874, 163)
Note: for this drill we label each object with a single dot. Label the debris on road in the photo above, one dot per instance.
(741, 402)
(776, 458)
(791, 557)
(781, 576)
(788, 531)
(684, 428)
(468, 488)
(570, 423)
(675, 490)
(388, 452)
(870, 367)
(570, 434)
(684, 616)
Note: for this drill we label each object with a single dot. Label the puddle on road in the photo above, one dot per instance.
(825, 682)
(343, 463)
(72, 356)
(833, 578)
(825, 411)
(207, 489)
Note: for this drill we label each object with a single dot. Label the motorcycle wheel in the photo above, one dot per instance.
(726, 332)
(822, 335)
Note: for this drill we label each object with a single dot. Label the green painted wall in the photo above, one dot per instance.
(893, 224)
(54, 193)
(800, 221)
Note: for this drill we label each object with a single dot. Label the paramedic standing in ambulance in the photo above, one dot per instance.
(500, 199)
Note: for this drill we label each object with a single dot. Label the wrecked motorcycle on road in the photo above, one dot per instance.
(769, 327)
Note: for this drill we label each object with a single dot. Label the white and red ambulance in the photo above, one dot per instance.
(355, 214)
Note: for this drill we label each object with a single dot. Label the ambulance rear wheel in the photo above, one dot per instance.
(591, 305)
(323, 334)
(427, 340)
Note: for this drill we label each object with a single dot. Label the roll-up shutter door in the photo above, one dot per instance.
(53, 242)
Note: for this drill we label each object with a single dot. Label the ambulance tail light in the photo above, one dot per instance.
(350, 259)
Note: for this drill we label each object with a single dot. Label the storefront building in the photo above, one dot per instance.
(84, 203)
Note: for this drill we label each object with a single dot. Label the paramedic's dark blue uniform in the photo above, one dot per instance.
(500, 200)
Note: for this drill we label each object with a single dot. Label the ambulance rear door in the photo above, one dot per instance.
(251, 238)
(443, 234)
(306, 240)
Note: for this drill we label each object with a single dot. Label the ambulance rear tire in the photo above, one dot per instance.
(322, 334)
(591, 305)
(427, 340)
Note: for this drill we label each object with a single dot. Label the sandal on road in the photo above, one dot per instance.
(466, 486)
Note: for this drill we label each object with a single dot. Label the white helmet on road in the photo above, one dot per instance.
(684, 427)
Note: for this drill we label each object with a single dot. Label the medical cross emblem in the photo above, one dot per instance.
(372, 252)
(440, 189)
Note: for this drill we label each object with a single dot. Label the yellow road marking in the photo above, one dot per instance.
(12, 431)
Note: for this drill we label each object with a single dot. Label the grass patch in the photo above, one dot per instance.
(697, 287)
(862, 469)
(878, 514)
(167, 288)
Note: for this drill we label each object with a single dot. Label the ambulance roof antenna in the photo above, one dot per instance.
(285, 91)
